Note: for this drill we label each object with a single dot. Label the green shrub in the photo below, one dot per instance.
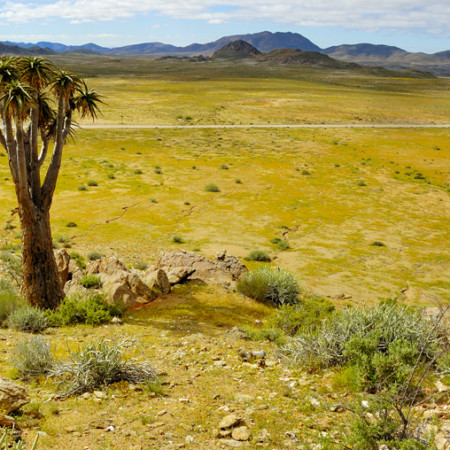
(280, 243)
(62, 239)
(82, 187)
(28, 319)
(306, 172)
(97, 365)
(224, 167)
(92, 310)
(71, 225)
(307, 314)
(79, 260)
(32, 357)
(258, 255)
(276, 286)
(381, 342)
(264, 334)
(361, 183)
(177, 239)
(157, 170)
(212, 188)
(94, 256)
(14, 445)
(378, 244)
(138, 172)
(9, 300)
(12, 265)
(91, 281)
(92, 183)
(154, 386)
(111, 176)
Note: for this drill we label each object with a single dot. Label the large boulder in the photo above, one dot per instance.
(12, 396)
(157, 279)
(119, 283)
(182, 265)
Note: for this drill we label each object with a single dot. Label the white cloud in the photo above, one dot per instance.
(417, 16)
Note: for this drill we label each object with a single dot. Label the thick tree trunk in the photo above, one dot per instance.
(41, 284)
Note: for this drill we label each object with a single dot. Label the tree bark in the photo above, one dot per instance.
(41, 284)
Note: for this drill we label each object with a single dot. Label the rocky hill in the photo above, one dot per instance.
(236, 49)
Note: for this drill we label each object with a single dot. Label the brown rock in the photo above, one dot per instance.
(12, 396)
(63, 261)
(229, 421)
(241, 434)
(157, 279)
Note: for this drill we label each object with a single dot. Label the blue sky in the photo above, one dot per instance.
(413, 25)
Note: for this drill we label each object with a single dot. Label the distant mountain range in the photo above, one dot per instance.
(367, 54)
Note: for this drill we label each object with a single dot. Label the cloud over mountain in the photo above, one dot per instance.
(430, 17)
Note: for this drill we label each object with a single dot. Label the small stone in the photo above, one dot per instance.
(116, 321)
(225, 433)
(220, 363)
(244, 398)
(241, 434)
(263, 436)
(229, 421)
(189, 439)
(111, 429)
(100, 395)
(232, 443)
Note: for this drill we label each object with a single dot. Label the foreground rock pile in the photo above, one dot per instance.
(132, 287)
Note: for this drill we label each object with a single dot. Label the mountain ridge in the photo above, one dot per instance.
(363, 53)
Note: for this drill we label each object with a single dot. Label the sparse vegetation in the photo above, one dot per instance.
(92, 183)
(79, 259)
(71, 225)
(9, 300)
(177, 239)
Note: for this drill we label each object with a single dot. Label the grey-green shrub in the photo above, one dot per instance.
(99, 364)
(32, 357)
(383, 342)
(268, 285)
(9, 300)
(29, 319)
(93, 256)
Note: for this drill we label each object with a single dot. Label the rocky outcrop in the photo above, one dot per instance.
(119, 283)
(12, 396)
(183, 265)
(157, 279)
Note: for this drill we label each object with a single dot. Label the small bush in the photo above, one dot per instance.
(378, 244)
(62, 239)
(361, 183)
(238, 181)
(82, 187)
(224, 167)
(280, 243)
(92, 310)
(157, 170)
(71, 225)
(306, 172)
(97, 365)
(276, 286)
(212, 188)
(94, 256)
(92, 183)
(91, 281)
(79, 260)
(154, 387)
(140, 265)
(111, 176)
(12, 265)
(177, 239)
(138, 172)
(28, 319)
(32, 357)
(259, 255)
(9, 300)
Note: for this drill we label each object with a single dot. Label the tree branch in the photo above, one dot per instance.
(44, 150)
(11, 148)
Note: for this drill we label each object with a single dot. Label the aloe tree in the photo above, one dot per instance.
(37, 102)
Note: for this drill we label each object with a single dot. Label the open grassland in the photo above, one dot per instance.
(330, 193)
(170, 92)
